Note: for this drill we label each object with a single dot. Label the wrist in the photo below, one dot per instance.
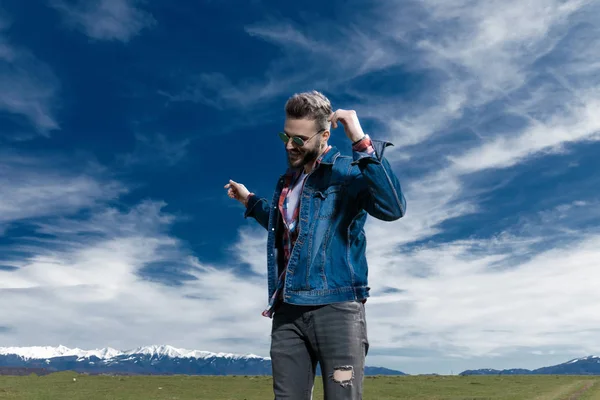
(247, 199)
(363, 145)
(356, 140)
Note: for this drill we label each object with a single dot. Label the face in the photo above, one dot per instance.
(299, 156)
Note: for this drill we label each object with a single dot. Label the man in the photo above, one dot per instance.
(317, 270)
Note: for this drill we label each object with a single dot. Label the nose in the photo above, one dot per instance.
(289, 145)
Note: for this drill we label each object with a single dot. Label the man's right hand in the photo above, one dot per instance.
(237, 191)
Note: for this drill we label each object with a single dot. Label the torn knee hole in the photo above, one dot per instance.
(343, 375)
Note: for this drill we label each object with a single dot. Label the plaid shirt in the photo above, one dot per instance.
(290, 233)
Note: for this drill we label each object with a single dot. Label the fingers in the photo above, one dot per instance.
(232, 184)
(233, 189)
(339, 115)
(342, 116)
(333, 119)
(232, 193)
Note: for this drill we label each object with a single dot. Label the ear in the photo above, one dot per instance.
(323, 140)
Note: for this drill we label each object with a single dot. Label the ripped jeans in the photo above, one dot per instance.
(333, 335)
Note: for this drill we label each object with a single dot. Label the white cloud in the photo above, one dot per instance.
(407, 121)
(511, 55)
(479, 56)
(473, 53)
(36, 187)
(359, 57)
(472, 309)
(86, 271)
(485, 61)
(579, 122)
(28, 87)
(250, 248)
(495, 41)
(466, 306)
(364, 54)
(71, 293)
(460, 299)
(465, 298)
(106, 19)
(477, 303)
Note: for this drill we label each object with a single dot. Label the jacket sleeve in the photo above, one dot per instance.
(258, 208)
(377, 187)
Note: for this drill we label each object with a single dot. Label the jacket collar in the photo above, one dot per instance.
(330, 156)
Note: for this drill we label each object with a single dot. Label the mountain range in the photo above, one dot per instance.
(579, 366)
(150, 360)
(168, 360)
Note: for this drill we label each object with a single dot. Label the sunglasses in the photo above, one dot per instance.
(296, 140)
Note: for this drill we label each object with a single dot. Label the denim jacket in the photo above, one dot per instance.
(328, 262)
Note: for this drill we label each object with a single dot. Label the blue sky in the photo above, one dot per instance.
(121, 120)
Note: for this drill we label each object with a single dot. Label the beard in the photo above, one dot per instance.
(298, 158)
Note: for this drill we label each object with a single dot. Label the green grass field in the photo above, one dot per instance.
(62, 386)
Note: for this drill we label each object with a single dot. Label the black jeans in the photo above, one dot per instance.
(333, 335)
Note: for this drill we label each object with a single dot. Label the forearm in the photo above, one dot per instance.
(381, 192)
(257, 208)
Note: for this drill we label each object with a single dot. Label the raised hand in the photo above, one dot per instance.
(349, 120)
(237, 191)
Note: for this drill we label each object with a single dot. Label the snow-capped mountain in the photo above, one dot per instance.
(170, 351)
(44, 352)
(143, 360)
(593, 359)
(589, 365)
(40, 352)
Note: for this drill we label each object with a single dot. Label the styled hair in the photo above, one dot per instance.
(311, 105)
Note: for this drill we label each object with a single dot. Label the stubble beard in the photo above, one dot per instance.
(308, 157)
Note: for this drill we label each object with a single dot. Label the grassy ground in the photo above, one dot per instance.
(62, 386)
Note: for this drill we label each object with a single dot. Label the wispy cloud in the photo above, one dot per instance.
(119, 20)
(98, 282)
(96, 279)
(580, 121)
(352, 60)
(460, 302)
(78, 270)
(363, 55)
(506, 58)
(28, 87)
(157, 148)
(218, 91)
(519, 79)
(495, 42)
(482, 58)
(35, 187)
(497, 57)
(493, 69)
(461, 297)
(475, 54)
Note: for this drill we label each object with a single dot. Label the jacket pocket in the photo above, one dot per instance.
(328, 201)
